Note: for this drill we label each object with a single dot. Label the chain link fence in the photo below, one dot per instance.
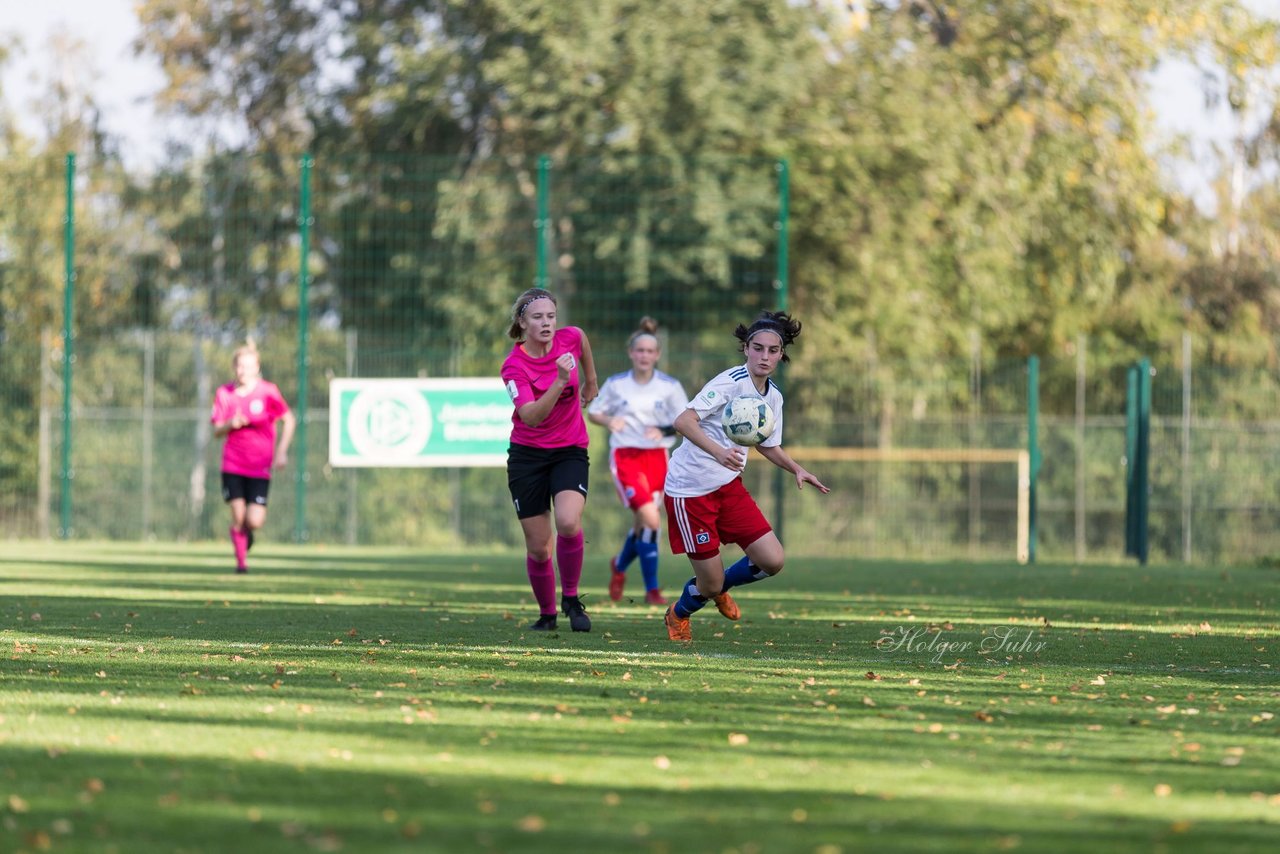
(411, 265)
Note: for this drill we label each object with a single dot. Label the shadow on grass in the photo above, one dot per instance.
(89, 800)
(552, 740)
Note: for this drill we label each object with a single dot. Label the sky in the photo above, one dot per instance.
(124, 83)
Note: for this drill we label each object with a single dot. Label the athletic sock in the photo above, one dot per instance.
(628, 552)
(690, 601)
(542, 578)
(569, 560)
(741, 573)
(647, 548)
(239, 542)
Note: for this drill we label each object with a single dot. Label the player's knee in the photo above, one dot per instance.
(770, 567)
(539, 554)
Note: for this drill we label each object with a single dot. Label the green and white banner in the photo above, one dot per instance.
(417, 423)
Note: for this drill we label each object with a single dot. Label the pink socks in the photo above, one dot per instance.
(240, 541)
(542, 579)
(569, 559)
(542, 576)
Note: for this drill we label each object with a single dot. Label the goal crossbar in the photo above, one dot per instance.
(1017, 456)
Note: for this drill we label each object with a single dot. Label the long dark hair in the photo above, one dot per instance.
(778, 322)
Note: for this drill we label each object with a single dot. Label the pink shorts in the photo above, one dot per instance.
(698, 526)
(638, 473)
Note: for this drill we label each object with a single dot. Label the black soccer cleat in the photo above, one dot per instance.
(578, 619)
(546, 623)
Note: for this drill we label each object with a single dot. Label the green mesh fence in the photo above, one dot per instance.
(412, 265)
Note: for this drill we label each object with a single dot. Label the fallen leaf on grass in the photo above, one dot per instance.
(737, 739)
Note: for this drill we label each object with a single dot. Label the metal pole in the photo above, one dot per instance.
(44, 454)
(975, 410)
(542, 225)
(780, 282)
(353, 474)
(1082, 344)
(1144, 456)
(148, 426)
(305, 221)
(69, 279)
(1033, 446)
(1186, 447)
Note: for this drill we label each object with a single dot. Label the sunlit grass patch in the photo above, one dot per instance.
(371, 700)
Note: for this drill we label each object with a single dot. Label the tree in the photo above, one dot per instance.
(987, 167)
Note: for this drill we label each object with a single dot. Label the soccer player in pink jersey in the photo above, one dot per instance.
(706, 501)
(550, 375)
(246, 412)
(638, 406)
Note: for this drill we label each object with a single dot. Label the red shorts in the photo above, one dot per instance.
(698, 526)
(638, 473)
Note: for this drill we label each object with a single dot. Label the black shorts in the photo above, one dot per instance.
(253, 490)
(535, 475)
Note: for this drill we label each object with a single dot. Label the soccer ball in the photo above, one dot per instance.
(747, 420)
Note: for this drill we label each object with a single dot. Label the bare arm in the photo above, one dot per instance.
(587, 372)
(782, 460)
(287, 425)
(533, 414)
(613, 422)
(686, 424)
(235, 422)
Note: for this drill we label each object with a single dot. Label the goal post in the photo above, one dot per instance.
(1019, 457)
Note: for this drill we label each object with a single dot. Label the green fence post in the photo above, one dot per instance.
(1137, 444)
(1033, 449)
(543, 223)
(780, 283)
(304, 284)
(1144, 446)
(1130, 454)
(68, 306)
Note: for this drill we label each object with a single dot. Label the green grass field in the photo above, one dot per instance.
(378, 700)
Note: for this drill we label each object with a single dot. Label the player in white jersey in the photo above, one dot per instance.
(638, 406)
(706, 501)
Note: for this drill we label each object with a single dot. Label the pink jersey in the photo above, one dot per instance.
(249, 451)
(528, 379)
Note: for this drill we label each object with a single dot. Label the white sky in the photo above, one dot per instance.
(123, 83)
